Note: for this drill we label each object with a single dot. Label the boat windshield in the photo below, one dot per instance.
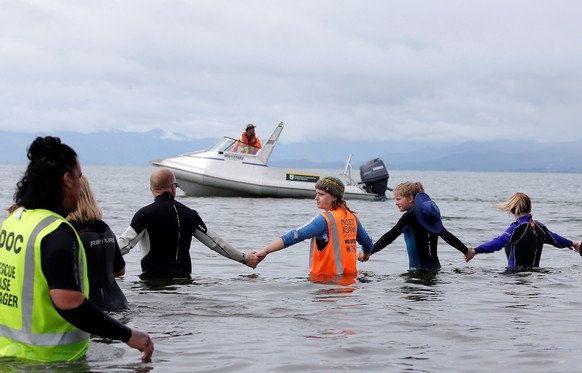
(224, 145)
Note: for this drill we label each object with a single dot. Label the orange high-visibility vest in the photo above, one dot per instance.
(339, 255)
(244, 140)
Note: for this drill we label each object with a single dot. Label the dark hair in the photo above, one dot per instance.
(41, 185)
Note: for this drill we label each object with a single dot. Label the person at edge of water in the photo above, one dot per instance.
(45, 314)
(104, 259)
(164, 230)
(524, 239)
(333, 232)
(248, 137)
(421, 225)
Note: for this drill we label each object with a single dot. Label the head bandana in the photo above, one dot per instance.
(331, 185)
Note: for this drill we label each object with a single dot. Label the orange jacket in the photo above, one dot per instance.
(243, 139)
(339, 255)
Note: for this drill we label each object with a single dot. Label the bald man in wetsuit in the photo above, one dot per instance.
(164, 230)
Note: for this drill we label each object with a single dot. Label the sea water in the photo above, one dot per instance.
(469, 317)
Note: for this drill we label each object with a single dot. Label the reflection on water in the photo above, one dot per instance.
(327, 279)
(331, 293)
(426, 278)
(332, 334)
(163, 284)
(20, 365)
(337, 303)
(420, 285)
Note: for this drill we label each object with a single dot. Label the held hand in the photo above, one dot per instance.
(470, 255)
(262, 254)
(363, 257)
(142, 342)
(252, 259)
(577, 246)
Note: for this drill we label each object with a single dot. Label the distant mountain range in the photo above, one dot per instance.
(132, 148)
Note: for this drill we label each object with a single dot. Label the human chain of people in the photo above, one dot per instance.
(59, 259)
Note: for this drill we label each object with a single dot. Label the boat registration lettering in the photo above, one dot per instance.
(308, 178)
(234, 157)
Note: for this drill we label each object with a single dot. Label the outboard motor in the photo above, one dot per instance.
(374, 176)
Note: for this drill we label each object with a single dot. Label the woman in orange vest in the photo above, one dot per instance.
(333, 233)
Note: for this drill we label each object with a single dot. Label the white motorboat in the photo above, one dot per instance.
(233, 169)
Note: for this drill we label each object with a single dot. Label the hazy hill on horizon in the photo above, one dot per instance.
(132, 148)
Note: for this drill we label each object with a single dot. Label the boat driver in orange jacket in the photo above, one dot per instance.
(247, 138)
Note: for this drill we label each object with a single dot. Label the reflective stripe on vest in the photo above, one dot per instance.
(339, 267)
(25, 335)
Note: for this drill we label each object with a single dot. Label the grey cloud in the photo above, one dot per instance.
(439, 70)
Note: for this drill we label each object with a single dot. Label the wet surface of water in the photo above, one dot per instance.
(465, 318)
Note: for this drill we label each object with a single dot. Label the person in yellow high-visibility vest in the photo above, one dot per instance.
(44, 311)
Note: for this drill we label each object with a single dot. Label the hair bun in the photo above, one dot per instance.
(45, 147)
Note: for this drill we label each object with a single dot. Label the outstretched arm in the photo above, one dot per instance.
(128, 240)
(276, 245)
(316, 226)
(389, 237)
(556, 240)
(452, 240)
(216, 243)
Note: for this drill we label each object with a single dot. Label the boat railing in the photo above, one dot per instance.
(347, 174)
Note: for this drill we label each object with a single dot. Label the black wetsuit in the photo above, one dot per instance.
(103, 260)
(59, 261)
(164, 229)
(420, 243)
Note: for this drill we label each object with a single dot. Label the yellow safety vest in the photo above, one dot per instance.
(30, 326)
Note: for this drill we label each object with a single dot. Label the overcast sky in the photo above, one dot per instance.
(404, 70)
